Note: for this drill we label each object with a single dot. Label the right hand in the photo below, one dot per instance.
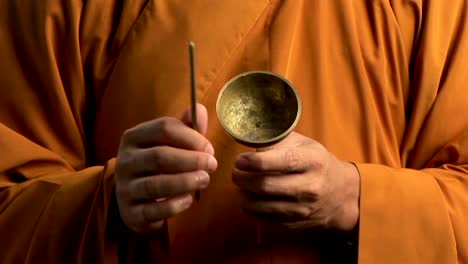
(160, 164)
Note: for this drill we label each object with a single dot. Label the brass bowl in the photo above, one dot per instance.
(258, 108)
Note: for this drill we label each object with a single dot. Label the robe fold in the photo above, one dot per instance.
(383, 84)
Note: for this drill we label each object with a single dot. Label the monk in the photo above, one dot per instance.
(98, 160)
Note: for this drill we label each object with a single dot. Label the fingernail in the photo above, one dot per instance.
(242, 162)
(186, 201)
(203, 179)
(212, 163)
(209, 149)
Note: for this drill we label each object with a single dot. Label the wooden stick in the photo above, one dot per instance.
(193, 95)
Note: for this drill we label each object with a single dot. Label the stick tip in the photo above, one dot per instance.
(191, 44)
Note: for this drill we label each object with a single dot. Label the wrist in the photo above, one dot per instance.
(347, 218)
(354, 193)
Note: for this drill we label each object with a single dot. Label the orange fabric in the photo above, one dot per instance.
(383, 84)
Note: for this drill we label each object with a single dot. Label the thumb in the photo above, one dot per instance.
(202, 118)
(294, 139)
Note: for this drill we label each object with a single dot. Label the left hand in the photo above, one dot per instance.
(299, 184)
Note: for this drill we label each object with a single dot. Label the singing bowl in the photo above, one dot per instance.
(258, 108)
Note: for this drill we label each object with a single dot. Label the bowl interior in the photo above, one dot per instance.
(258, 107)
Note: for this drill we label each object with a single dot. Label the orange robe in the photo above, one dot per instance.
(383, 83)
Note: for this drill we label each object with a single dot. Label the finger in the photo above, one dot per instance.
(291, 186)
(151, 214)
(293, 140)
(168, 185)
(278, 211)
(166, 131)
(167, 160)
(156, 229)
(202, 118)
(284, 160)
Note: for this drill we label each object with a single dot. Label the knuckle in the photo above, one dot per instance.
(149, 188)
(133, 162)
(122, 191)
(188, 182)
(310, 189)
(132, 217)
(119, 166)
(157, 154)
(201, 144)
(157, 225)
(304, 212)
(318, 165)
(259, 162)
(128, 134)
(156, 157)
(172, 208)
(124, 162)
(292, 160)
(180, 184)
(149, 212)
(201, 161)
(265, 186)
(165, 126)
(309, 192)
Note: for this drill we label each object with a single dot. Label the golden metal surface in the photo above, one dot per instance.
(258, 108)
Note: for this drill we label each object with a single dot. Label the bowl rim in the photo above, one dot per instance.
(273, 140)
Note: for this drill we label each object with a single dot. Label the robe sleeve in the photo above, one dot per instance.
(54, 195)
(418, 213)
